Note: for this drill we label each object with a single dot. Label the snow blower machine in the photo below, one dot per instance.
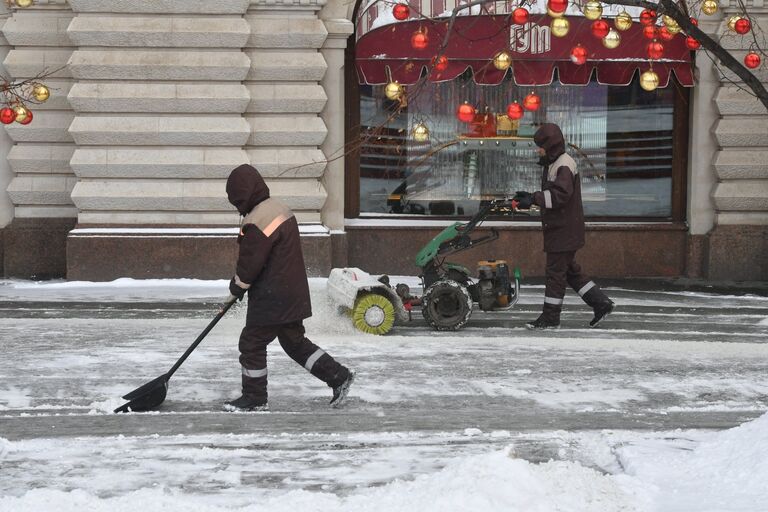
(450, 292)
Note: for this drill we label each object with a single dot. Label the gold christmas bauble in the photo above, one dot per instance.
(560, 27)
(623, 21)
(593, 10)
(21, 113)
(671, 24)
(553, 14)
(649, 80)
(612, 39)
(732, 22)
(394, 91)
(24, 3)
(502, 60)
(41, 93)
(709, 7)
(420, 132)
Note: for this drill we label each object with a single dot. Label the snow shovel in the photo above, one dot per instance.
(152, 394)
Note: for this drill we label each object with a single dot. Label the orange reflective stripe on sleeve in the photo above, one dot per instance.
(272, 227)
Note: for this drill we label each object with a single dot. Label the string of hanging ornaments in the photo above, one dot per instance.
(657, 29)
(17, 95)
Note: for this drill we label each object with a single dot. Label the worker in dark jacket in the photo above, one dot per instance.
(562, 217)
(270, 268)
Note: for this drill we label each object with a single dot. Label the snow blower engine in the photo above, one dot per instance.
(450, 293)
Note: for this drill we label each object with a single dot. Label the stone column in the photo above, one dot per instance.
(39, 160)
(287, 131)
(738, 248)
(339, 31)
(701, 154)
(159, 100)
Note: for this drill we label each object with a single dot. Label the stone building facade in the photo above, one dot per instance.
(122, 171)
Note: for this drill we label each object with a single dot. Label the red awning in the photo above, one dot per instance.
(385, 53)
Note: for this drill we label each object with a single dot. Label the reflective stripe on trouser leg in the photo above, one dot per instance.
(254, 373)
(551, 310)
(326, 368)
(595, 297)
(584, 289)
(553, 301)
(311, 360)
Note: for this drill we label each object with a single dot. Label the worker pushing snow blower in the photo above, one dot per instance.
(450, 292)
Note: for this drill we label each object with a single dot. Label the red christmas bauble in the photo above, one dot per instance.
(419, 40)
(7, 115)
(600, 28)
(520, 16)
(27, 119)
(578, 55)
(651, 31)
(532, 102)
(692, 43)
(742, 26)
(655, 50)
(466, 112)
(648, 17)
(401, 11)
(751, 60)
(440, 64)
(695, 21)
(557, 5)
(665, 34)
(515, 111)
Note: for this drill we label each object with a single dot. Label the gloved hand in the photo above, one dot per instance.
(522, 200)
(235, 290)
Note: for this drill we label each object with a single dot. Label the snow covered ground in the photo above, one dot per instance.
(661, 409)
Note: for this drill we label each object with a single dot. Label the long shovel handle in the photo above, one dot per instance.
(203, 334)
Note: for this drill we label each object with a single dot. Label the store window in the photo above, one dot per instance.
(630, 143)
(622, 140)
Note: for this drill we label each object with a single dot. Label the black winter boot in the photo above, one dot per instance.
(341, 391)
(601, 311)
(247, 403)
(549, 318)
(600, 304)
(543, 323)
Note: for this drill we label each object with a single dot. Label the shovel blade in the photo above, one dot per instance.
(149, 386)
(146, 397)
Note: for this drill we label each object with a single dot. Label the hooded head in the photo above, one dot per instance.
(246, 188)
(550, 138)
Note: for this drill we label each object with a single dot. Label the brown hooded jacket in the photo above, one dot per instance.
(562, 215)
(270, 264)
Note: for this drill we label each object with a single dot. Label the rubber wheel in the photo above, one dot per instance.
(373, 313)
(446, 305)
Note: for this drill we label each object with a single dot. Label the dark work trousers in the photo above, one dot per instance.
(563, 270)
(253, 356)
